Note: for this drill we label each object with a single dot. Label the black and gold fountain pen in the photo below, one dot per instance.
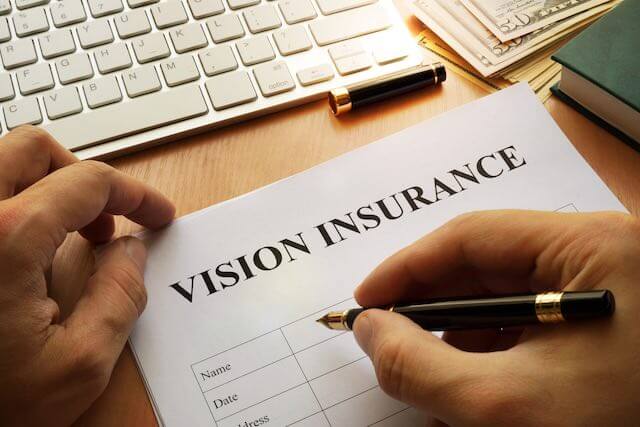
(492, 312)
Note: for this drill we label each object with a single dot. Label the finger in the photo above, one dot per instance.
(73, 197)
(91, 339)
(485, 252)
(416, 367)
(27, 154)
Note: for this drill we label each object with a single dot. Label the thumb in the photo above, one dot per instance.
(113, 299)
(416, 367)
(84, 349)
(115, 295)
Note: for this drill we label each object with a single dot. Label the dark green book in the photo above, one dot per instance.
(601, 69)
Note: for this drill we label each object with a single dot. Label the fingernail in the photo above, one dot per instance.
(362, 330)
(136, 251)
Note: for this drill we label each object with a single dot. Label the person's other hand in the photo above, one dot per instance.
(583, 373)
(52, 369)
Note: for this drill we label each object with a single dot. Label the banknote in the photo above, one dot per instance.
(484, 41)
(485, 53)
(508, 19)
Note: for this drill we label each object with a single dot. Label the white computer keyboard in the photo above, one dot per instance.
(107, 77)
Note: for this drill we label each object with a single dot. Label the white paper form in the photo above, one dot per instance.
(229, 336)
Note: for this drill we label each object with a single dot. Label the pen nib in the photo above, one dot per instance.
(333, 320)
(324, 320)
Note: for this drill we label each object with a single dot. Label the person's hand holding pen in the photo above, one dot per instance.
(583, 373)
(54, 364)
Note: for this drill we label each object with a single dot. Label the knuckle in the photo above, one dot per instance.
(464, 221)
(621, 222)
(35, 135)
(493, 404)
(11, 216)
(615, 236)
(503, 399)
(95, 168)
(18, 222)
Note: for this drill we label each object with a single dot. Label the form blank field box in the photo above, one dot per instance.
(283, 409)
(306, 332)
(343, 383)
(406, 417)
(316, 420)
(254, 388)
(231, 364)
(364, 409)
(329, 355)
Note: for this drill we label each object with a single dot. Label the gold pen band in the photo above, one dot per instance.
(435, 74)
(548, 308)
(340, 100)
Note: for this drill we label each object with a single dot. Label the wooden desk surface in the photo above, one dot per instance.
(209, 168)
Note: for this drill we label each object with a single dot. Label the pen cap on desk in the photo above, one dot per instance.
(344, 99)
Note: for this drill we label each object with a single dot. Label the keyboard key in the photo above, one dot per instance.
(217, 60)
(231, 89)
(180, 70)
(273, 78)
(73, 68)
(239, 4)
(5, 33)
(62, 102)
(102, 91)
(18, 53)
(350, 24)
(225, 27)
(132, 24)
(100, 8)
(26, 4)
(5, 7)
(169, 13)
(262, 18)
(138, 3)
(255, 50)
(295, 11)
(112, 58)
(67, 12)
(94, 33)
(316, 74)
(35, 78)
(150, 47)
(389, 53)
(29, 22)
(26, 111)
(56, 43)
(6, 87)
(332, 6)
(141, 81)
(205, 8)
(292, 40)
(349, 57)
(146, 112)
(188, 37)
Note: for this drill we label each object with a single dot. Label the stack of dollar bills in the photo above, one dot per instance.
(497, 43)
